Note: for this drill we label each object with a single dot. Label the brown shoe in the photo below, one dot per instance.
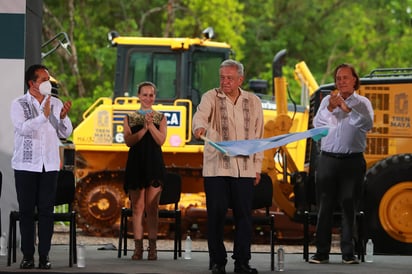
(152, 255)
(138, 250)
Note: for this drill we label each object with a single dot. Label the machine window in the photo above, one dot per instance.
(161, 69)
(205, 76)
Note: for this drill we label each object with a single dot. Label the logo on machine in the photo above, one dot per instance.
(173, 118)
(401, 119)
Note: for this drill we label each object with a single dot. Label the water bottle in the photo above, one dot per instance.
(281, 259)
(3, 244)
(188, 248)
(81, 256)
(369, 251)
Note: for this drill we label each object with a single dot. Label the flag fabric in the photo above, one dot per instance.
(248, 147)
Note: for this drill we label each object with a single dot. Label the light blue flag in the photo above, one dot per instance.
(248, 147)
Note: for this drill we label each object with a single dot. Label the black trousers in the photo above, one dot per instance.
(222, 193)
(338, 182)
(36, 192)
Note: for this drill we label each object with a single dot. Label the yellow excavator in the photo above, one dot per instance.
(183, 69)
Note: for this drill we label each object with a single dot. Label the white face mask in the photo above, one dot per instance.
(45, 88)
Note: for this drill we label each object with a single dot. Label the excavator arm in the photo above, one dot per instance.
(278, 163)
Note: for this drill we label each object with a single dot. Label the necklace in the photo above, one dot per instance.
(144, 112)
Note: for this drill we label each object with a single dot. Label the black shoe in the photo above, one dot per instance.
(319, 259)
(218, 269)
(27, 263)
(245, 268)
(350, 259)
(44, 262)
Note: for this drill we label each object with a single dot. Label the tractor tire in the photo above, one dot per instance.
(98, 202)
(388, 205)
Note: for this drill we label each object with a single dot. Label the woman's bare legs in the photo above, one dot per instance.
(137, 205)
(145, 201)
(152, 210)
(152, 217)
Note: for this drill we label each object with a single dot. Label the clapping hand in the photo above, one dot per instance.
(66, 107)
(149, 119)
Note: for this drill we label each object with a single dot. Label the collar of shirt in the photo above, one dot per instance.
(220, 93)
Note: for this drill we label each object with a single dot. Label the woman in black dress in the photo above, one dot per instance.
(145, 132)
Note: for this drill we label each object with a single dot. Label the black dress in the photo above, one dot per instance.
(145, 165)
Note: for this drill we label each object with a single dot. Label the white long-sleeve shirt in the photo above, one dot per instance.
(347, 133)
(37, 138)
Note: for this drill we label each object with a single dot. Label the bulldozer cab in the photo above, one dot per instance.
(181, 68)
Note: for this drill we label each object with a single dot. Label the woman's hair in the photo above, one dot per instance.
(144, 84)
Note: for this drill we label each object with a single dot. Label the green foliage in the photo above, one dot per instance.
(225, 16)
(323, 33)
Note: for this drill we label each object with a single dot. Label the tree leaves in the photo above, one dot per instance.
(323, 33)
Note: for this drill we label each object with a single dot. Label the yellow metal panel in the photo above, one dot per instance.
(102, 128)
(173, 43)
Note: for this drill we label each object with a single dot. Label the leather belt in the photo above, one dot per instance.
(342, 155)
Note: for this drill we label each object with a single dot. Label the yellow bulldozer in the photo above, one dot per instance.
(183, 69)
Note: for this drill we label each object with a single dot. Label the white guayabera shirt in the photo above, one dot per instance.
(37, 138)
